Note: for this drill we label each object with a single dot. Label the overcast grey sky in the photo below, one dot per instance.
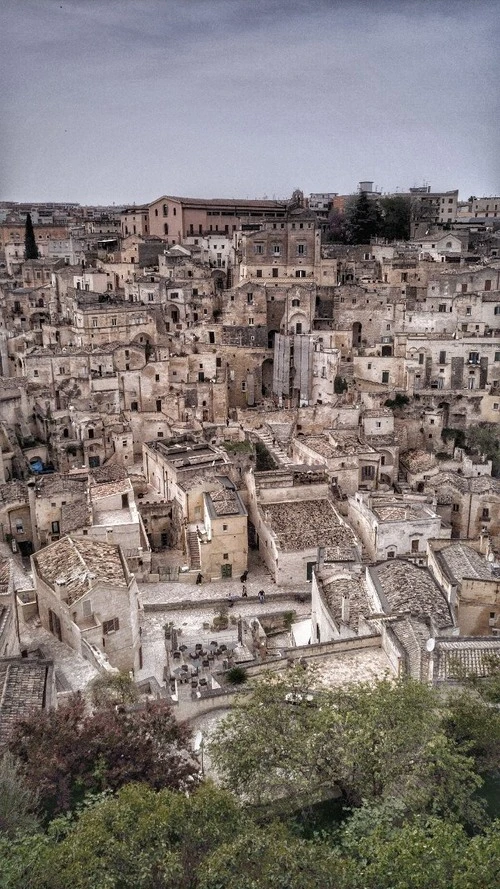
(125, 100)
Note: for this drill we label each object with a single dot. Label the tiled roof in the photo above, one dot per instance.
(418, 461)
(76, 564)
(456, 658)
(75, 516)
(13, 492)
(407, 587)
(304, 524)
(106, 489)
(5, 574)
(24, 687)
(460, 560)
(354, 589)
(225, 502)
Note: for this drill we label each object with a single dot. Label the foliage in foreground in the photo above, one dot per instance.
(142, 839)
(403, 757)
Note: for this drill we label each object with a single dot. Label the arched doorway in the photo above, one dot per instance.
(356, 333)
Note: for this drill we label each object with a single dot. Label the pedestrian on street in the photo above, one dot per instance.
(244, 591)
(199, 578)
(262, 596)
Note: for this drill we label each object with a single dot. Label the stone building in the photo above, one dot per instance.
(391, 526)
(88, 599)
(293, 517)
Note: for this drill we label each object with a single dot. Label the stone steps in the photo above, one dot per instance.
(193, 546)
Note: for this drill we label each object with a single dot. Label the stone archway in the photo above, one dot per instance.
(356, 333)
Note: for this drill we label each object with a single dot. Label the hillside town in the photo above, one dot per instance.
(233, 439)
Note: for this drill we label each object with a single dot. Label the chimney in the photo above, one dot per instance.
(346, 608)
(484, 543)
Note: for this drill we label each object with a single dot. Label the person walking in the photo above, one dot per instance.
(244, 591)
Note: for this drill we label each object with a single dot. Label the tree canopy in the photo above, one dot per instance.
(142, 839)
(367, 742)
(69, 752)
(367, 217)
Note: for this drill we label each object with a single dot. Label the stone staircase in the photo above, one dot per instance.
(193, 548)
(274, 448)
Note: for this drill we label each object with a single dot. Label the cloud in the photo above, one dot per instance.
(125, 99)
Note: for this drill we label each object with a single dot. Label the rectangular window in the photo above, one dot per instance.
(258, 273)
(249, 298)
(442, 307)
(55, 527)
(113, 322)
(442, 357)
(367, 473)
(258, 249)
(385, 376)
(243, 386)
(110, 626)
(301, 249)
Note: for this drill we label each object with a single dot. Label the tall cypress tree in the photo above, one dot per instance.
(363, 220)
(30, 248)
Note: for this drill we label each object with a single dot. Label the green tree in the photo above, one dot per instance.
(470, 720)
(396, 217)
(363, 219)
(336, 228)
(30, 248)
(68, 752)
(366, 742)
(114, 689)
(272, 858)
(137, 839)
(484, 438)
(18, 802)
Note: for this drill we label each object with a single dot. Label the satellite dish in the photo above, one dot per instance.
(430, 644)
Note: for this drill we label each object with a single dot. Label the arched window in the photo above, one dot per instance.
(295, 303)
